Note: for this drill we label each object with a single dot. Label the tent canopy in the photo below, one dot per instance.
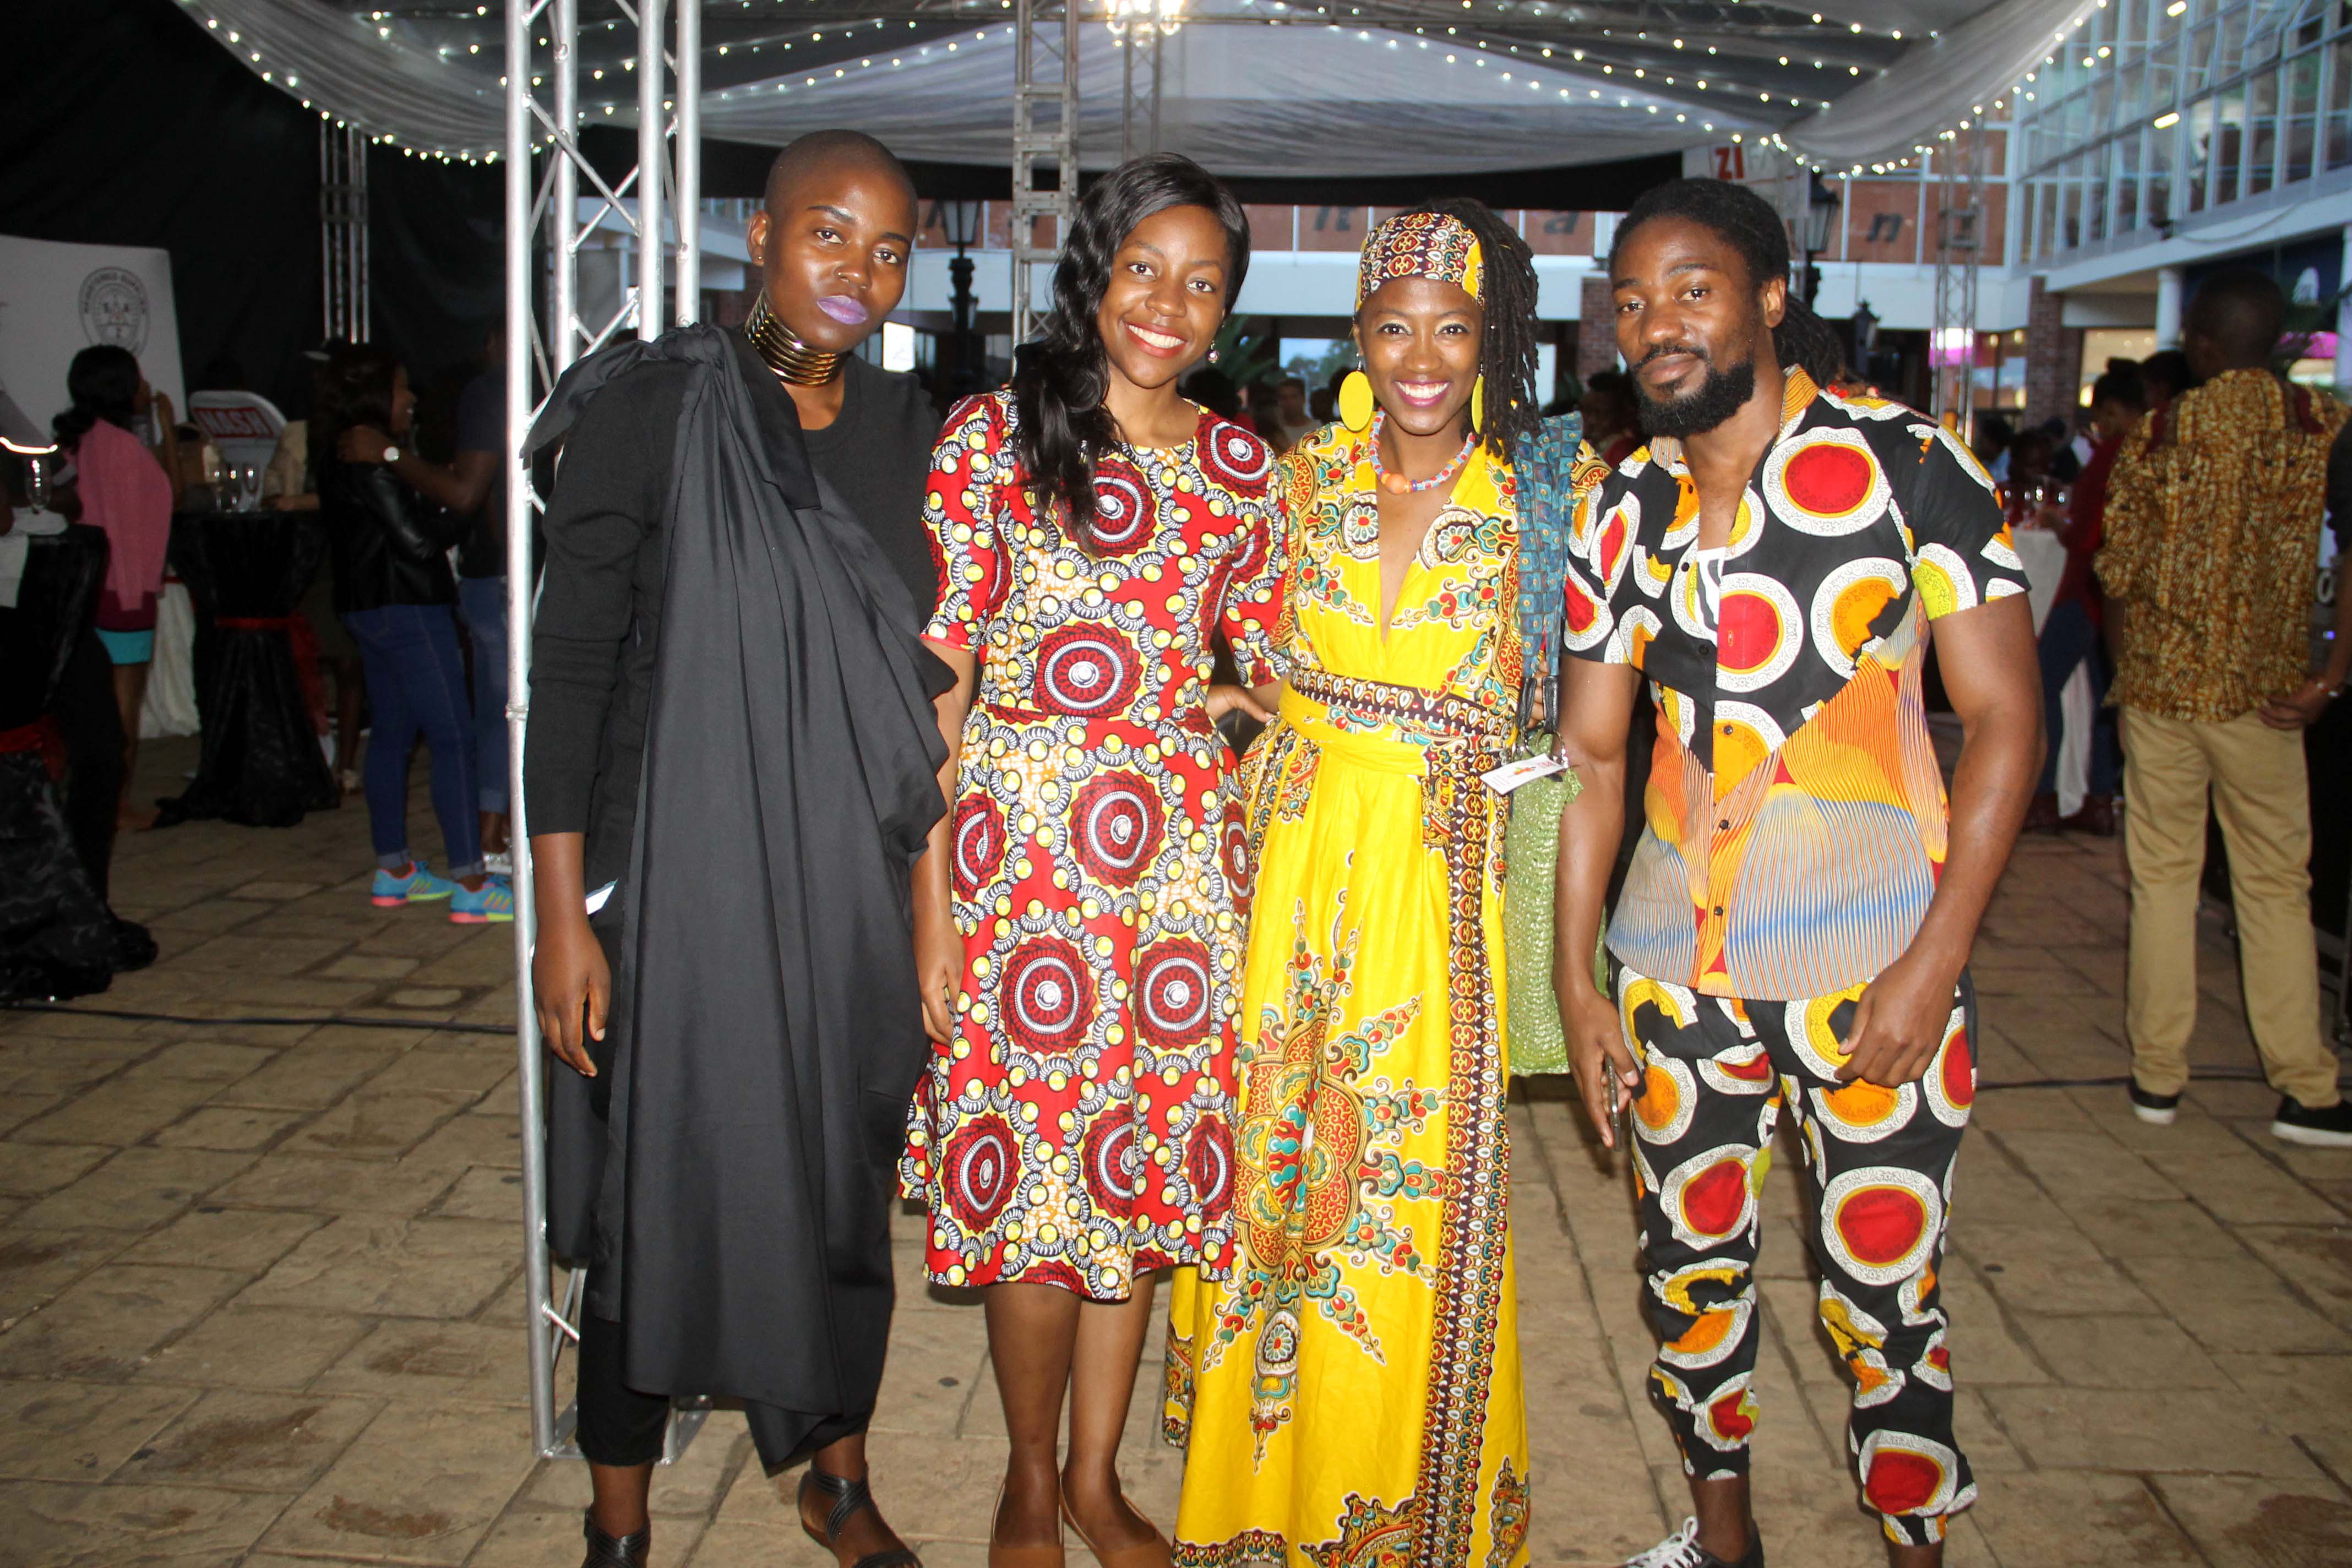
(1250, 87)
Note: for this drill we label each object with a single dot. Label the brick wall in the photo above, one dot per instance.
(2053, 357)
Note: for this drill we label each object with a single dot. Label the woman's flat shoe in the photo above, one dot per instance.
(631, 1551)
(1153, 1553)
(1003, 1556)
(848, 1499)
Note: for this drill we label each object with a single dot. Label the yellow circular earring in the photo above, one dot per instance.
(1356, 402)
(1478, 405)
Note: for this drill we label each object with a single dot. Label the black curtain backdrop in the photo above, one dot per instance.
(123, 124)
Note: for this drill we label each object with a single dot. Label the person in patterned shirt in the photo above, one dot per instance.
(1079, 918)
(1794, 929)
(2212, 520)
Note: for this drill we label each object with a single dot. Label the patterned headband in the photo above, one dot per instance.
(1421, 244)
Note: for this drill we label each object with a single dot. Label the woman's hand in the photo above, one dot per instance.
(1225, 700)
(362, 444)
(571, 986)
(939, 961)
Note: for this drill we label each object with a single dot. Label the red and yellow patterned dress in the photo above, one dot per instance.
(1078, 1128)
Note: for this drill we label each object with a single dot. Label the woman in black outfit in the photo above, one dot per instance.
(396, 593)
(730, 722)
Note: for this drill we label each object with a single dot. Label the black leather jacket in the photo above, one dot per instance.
(389, 544)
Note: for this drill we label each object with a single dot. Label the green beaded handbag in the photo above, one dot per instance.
(1539, 1041)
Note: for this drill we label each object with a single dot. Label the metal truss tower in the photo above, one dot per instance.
(658, 201)
(1138, 119)
(1045, 132)
(1959, 248)
(344, 230)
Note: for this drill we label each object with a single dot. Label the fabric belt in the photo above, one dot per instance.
(254, 623)
(1440, 731)
(1192, 722)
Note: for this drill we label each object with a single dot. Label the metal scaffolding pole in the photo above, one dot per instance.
(687, 191)
(545, 232)
(1959, 243)
(342, 230)
(1045, 78)
(652, 168)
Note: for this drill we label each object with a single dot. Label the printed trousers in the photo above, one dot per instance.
(1717, 1073)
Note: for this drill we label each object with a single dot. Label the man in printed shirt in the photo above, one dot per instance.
(1795, 927)
(2214, 512)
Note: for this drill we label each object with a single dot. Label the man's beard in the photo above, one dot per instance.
(1719, 396)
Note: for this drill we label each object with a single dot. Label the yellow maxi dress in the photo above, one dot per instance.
(1351, 1394)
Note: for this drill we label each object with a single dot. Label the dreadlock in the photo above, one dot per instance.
(1746, 223)
(1506, 345)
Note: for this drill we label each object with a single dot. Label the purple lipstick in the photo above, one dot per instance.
(842, 309)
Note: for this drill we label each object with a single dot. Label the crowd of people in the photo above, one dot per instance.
(379, 624)
(888, 842)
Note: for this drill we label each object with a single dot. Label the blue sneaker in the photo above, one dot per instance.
(419, 886)
(491, 903)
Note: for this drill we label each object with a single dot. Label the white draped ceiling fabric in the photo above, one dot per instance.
(1250, 87)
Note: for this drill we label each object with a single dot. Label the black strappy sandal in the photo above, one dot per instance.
(631, 1551)
(848, 1497)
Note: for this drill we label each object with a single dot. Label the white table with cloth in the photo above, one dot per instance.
(2046, 564)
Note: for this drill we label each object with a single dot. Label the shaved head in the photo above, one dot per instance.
(2239, 316)
(830, 152)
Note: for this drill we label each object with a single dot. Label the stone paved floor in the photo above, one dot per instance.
(260, 1302)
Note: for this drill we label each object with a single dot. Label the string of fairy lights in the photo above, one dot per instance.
(1662, 91)
(1446, 44)
(2021, 91)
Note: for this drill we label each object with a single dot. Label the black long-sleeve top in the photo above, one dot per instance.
(599, 604)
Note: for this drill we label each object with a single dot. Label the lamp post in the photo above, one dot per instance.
(960, 223)
(1821, 212)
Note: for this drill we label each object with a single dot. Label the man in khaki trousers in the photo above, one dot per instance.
(2213, 537)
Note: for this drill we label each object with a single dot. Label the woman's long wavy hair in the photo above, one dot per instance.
(354, 388)
(1061, 380)
(103, 381)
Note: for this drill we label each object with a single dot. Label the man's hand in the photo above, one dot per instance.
(362, 444)
(572, 985)
(1899, 1024)
(2299, 709)
(1606, 1073)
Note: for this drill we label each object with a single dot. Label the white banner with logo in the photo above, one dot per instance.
(56, 300)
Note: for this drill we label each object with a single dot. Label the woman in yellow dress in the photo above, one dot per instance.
(1350, 1395)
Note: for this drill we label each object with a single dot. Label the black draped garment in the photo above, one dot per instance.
(764, 1034)
(57, 939)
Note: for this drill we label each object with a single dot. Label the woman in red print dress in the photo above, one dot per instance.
(1079, 918)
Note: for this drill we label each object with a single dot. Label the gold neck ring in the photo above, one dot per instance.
(792, 360)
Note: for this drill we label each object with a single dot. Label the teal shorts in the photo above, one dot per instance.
(129, 648)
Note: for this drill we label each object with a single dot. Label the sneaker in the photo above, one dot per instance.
(492, 902)
(498, 863)
(2157, 1110)
(1682, 1549)
(2296, 1123)
(417, 885)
